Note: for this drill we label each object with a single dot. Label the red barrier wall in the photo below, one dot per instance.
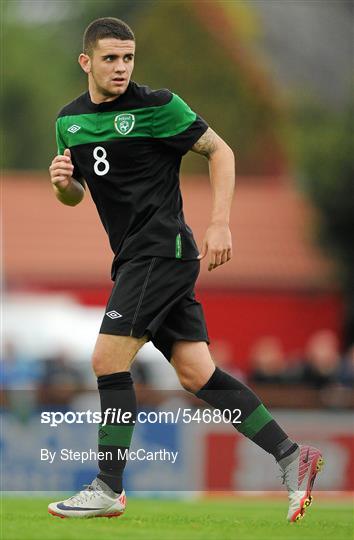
(242, 318)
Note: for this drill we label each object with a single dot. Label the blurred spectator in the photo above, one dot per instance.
(17, 371)
(268, 363)
(19, 379)
(322, 360)
(142, 374)
(346, 369)
(222, 354)
(60, 382)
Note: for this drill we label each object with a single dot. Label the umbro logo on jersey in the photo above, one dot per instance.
(74, 128)
(124, 123)
(113, 314)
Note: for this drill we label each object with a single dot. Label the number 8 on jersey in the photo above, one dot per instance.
(100, 159)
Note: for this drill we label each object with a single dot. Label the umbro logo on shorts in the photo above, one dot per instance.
(113, 314)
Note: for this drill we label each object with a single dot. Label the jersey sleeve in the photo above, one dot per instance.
(61, 145)
(177, 126)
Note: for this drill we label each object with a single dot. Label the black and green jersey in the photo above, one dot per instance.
(129, 152)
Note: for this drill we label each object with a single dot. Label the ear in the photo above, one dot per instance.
(85, 62)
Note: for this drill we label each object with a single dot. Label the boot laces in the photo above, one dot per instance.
(88, 493)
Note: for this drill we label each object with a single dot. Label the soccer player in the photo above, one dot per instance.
(125, 142)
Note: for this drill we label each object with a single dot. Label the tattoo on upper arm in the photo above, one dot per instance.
(207, 143)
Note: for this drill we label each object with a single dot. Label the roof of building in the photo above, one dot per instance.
(47, 243)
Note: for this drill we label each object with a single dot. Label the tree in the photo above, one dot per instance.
(174, 49)
(325, 150)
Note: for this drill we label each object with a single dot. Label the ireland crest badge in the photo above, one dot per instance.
(124, 123)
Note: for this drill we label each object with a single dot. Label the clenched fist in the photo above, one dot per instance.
(61, 170)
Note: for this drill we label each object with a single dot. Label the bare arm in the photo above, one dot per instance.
(67, 190)
(217, 241)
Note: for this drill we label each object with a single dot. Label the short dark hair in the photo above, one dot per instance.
(106, 27)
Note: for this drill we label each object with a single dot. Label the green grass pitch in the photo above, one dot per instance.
(203, 519)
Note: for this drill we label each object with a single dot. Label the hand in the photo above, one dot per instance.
(61, 170)
(217, 243)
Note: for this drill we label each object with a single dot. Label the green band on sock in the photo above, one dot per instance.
(115, 435)
(255, 422)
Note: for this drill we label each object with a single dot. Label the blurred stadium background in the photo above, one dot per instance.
(275, 80)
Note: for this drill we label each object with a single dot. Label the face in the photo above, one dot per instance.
(109, 68)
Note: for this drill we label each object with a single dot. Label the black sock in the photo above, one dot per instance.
(226, 393)
(117, 394)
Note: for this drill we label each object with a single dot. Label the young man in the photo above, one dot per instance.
(126, 141)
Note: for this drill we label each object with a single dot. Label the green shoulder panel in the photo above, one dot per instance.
(172, 118)
(104, 126)
(60, 143)
(159, 122)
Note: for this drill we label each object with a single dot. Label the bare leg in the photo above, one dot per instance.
(113, 354)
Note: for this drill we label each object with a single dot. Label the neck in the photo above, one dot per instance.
(97, 97)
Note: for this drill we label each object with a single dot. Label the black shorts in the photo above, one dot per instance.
(155, 296)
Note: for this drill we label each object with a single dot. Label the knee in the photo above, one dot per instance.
(105, 366)
(186, 382)
(191, 380)
(193, 364)
(98, 365)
